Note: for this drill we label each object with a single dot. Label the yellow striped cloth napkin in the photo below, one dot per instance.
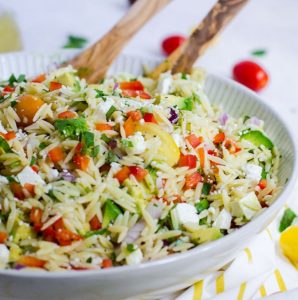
(259, 270)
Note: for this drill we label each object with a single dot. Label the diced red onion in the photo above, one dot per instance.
(116, 85)
(67, 176)
(174, 117)
(223, 118)
(255, 121)
(155, 209)
(19, 267)
(134, 232)
(112, 144)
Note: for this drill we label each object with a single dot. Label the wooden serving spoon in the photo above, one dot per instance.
(183, 58)
(94, 62)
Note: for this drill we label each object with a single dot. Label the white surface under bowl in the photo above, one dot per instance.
(153, 279)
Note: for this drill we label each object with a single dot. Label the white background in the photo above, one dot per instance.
(269, 24)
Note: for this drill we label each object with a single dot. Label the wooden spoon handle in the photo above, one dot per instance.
(185, 56)
(94, 62)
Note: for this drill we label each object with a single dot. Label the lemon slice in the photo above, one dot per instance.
(289, 244)
(168, 151)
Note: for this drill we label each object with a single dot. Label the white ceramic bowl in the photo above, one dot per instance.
(156, 278)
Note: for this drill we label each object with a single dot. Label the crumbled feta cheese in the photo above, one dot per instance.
(185, 213)
(20, 134)
(223, 220)
(247, 206)
(135, 257)
(115, 167)
(29, 176)
(177, 139)
(4, 255)
(53, 174)
(138, 144)
(164, 84)
(253, 172)
(3, 179)
(2, 129)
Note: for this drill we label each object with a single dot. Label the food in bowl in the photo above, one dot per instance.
(125, 171)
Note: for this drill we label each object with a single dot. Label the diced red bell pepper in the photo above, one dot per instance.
(129, 127)
(149, 117)
(194, 140)
(132, 85)
(35, 218)
(122, 174)
(219, 138)
(262, 184)
(10, 135)
(3, 237)
(95, 223)
(67, 115)
(55, 86)
(31, 261)
(40, 78)
(7, 90)
(138, 172)
(56, 154)
(188, 160)
(134, 94)
(192, 180)
(81, 162)
(136, 115)
(106, 263)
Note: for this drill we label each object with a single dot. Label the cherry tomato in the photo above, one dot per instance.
(251, 75)
(171, 43)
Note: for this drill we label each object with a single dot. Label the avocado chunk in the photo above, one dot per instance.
(206, 235)
(111, 212)
(257, 138)
(67, 79)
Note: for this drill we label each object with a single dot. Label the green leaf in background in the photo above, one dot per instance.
(75, 42)
(286, 219)
(259, 52)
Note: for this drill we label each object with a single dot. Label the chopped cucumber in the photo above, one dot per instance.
(111, 212)
(257, 138)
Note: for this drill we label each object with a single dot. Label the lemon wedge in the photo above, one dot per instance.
(289, 244)
(168, 151)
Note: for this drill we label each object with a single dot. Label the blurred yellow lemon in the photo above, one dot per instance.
(9, 34)
(289, 244)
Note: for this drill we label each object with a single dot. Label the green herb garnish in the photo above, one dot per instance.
(130, 248)
(286, 219)
(100, 94)
(202, 205)
(187, 104)
(206, 188)
(4, 146)
(259, 52)
(71, 128)
(127, 143)
(75, 42)
(183, 76)
(112, 157)
(42, 145)
(111, 110)
(95, 232)
(105, 138)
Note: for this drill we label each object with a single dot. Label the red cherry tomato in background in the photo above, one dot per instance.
(171, 43)
(251, 75)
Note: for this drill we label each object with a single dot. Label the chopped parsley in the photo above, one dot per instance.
(130, 248)
(111, 157)
(95, 232)
(42, 145)
(127, 143)
(206, 188)
(111, 110)
(100, 94)
(202, 205)
(187, 104)
(75, 42)
(259, 52)
(287, 219)
(71, 128)
(105, 138)
(12, 79)
(183, 76)
(4, 146)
